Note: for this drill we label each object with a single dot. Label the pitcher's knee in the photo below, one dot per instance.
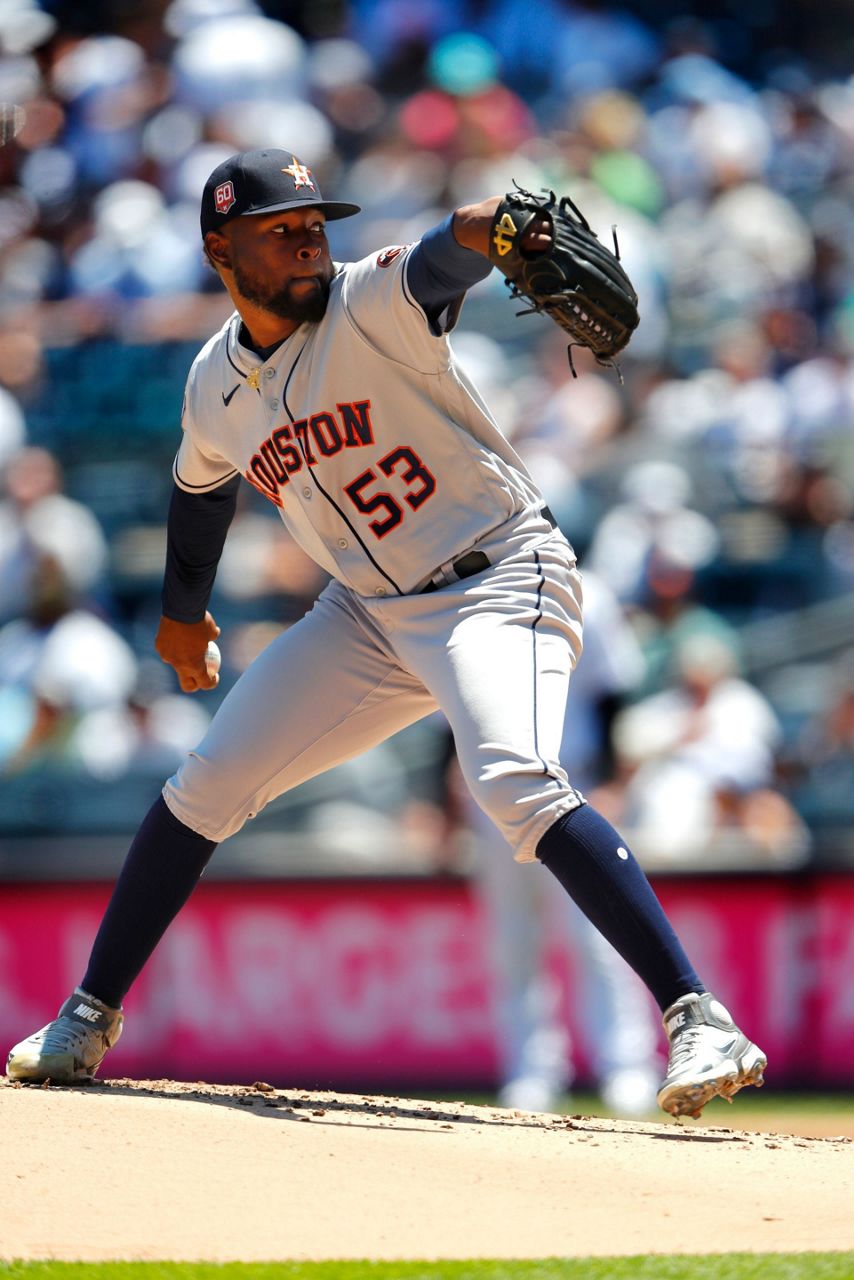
(209, 797)
(524, 806)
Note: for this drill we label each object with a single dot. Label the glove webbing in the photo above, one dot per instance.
(560, 301)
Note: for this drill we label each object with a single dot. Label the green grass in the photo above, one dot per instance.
(728, 1266)
(764, 1109)
(751, 1099)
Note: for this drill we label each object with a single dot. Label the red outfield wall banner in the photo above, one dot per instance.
(384, 984)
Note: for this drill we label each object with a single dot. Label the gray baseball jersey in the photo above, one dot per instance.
(387, 468)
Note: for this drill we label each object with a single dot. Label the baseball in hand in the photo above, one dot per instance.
(213, 659)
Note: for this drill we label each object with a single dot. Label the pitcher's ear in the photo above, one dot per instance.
(217, 249)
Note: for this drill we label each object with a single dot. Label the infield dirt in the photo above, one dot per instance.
(171, 1170)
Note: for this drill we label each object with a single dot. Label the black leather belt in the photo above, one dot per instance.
(471, 563)
(475, 561)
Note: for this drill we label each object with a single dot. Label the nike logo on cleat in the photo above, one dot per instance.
(84, 1011)
(226, 399)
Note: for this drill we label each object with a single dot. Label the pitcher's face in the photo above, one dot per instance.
(280, 261)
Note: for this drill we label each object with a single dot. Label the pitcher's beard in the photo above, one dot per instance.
(282, 302)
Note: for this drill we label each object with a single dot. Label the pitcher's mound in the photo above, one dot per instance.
(167, 1170)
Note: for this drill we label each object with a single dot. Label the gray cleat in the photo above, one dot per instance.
(70, 1049)
(709, 1056)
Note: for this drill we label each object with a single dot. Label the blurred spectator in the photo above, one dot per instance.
(695, 769)
(666, 615)
(823, 763)
(58, 662)
(653, 518)
(37, 520)
(238, 57)
(591, 46)
(13, 428)
(147, 731)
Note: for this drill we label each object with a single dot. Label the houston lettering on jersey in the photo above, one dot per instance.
(299, 443)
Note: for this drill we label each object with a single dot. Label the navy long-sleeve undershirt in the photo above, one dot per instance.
(438, 273)
(440, 270)
(195, 536)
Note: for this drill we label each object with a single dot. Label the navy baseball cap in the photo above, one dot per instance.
(263, 182)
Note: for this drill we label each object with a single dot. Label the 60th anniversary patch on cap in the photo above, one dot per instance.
(263, 182)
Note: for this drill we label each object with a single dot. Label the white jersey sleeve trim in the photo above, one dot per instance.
(194, 472)
(197, 469)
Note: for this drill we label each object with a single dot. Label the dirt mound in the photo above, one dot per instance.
(164, 1169)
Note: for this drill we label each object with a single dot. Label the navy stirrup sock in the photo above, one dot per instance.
(600, 874)
(161, 870)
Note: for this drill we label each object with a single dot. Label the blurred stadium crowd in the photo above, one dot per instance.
(708, 493)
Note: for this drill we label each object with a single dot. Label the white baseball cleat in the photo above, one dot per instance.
(709, 1056)
(70, 1049)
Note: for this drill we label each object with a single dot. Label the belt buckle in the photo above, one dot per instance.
(445, 575)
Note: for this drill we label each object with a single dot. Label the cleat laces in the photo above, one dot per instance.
(683, 1049)
(64, 1037)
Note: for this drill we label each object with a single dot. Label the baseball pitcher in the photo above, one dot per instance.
(333, 390)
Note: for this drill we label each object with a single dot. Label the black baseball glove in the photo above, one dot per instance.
(576, 281)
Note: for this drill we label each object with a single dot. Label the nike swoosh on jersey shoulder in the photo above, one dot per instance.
(226, 399)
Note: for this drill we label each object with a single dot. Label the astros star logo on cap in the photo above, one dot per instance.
(300, 174)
